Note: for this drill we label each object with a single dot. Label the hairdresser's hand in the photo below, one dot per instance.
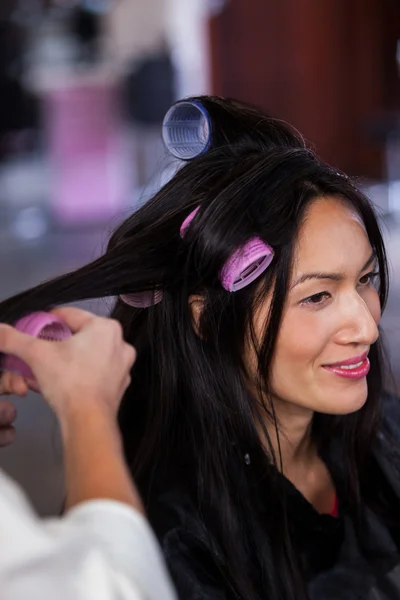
(7, 417)
(10, 383)
(88, 372)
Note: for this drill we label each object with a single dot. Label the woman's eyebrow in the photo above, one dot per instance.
(331, 276)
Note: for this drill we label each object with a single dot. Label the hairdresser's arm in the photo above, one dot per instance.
(102, 547)
(83, 380)
(93, 457)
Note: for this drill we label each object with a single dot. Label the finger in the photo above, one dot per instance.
(127, 383)
(5, 382)
(129, 354)
(132, 355)
(19, 386)
(75, 318)
(8, 413)
(15, 384)
(32, 385)
(19, 344)
(7, 436)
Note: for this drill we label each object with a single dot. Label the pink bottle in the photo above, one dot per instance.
(89, 171)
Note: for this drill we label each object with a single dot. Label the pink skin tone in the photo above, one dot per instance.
(330, 323)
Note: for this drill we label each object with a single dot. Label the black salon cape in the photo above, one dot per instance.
(334, 566)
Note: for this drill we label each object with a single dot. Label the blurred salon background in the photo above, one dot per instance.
(84, 86)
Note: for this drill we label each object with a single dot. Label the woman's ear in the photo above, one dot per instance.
(196, 306)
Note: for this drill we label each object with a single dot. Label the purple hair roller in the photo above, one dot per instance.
(188, 220)
(245, 265)
(45, 326)
(142, 299)
(187, 129)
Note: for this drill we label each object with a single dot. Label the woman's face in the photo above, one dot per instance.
(331, 316)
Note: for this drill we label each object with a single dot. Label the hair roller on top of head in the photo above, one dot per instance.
(42, 325)
(187, 133)
(187, 129)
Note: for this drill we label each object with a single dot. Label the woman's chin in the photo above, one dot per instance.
(347, 401)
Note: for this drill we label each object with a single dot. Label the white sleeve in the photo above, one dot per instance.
(100, 550)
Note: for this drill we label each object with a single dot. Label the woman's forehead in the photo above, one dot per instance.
(332, 238)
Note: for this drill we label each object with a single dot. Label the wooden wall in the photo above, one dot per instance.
(326, 66)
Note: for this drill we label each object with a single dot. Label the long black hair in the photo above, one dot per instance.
(188, 396)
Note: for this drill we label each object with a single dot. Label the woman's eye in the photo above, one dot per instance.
(316, 298)
(369, 278)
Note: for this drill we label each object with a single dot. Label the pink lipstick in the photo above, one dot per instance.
(352, 368)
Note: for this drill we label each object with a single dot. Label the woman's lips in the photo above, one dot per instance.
(351, 369)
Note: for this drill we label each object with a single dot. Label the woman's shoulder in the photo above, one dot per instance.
(387, 449)
(174, 512)
(188, 546)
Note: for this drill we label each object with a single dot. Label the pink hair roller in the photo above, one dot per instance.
(188, 220)
(244, 266)
(45, 326)
(142, 299)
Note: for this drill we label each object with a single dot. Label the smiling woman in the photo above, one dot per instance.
(256, 423)
(332, 314)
